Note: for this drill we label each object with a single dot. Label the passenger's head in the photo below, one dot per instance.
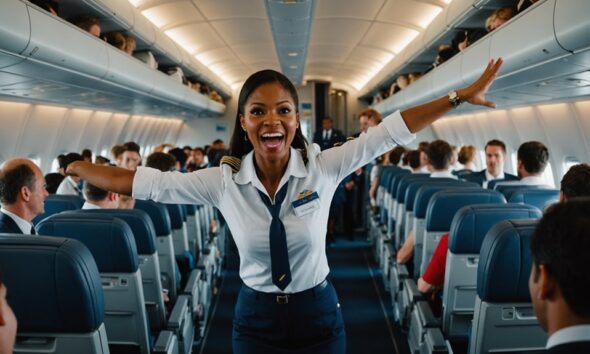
(179, 156)
(413, 157)
(466, 154)
(161, 161)
(559, 277)
(88, 23)
(500, 17)
(495, 155)
(402, 81)
(53, 180)
(199, 156)
(22, 188)
(369, 118)
(396, 154)
(218, 144)
(532, 158)
(131, 157)
(576, 182)
(327, 123)
(267, 120)
(117, 40)
(101, 160)
(100, 197)
(130, 45)
(439, 154)
(117, 153)
(87, 155)
(8, 323)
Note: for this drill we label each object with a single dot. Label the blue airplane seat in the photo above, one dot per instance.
(540, 198)
(55, 292)
(509, 190)
(504, 319)
(55, 203)
(111, 242)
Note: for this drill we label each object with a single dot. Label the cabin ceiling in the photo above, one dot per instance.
(345, 42)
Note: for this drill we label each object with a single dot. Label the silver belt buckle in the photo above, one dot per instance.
(282, 299)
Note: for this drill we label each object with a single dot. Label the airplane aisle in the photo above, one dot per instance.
(357, 280)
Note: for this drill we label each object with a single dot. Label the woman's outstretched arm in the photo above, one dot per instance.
(419, 117)
(114, 179)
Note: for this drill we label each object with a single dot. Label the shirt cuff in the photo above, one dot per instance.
(143, 182)
(397, 129)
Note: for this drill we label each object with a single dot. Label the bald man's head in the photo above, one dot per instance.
(22, 186)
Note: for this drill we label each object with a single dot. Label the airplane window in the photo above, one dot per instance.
(569, 162)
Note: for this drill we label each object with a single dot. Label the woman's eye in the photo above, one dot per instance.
(256, 112)
(284, 110)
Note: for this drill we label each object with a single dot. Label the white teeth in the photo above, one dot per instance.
(272, 135)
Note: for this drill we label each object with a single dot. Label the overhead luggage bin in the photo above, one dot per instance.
(143, 29)
(436, 29)
(14, 31)
(445, 77)
(130, 72)
(474, 59)
(167, 47)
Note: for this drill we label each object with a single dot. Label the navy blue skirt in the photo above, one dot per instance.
(305, 322)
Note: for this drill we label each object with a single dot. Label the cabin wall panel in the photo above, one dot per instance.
(12, 120)
(582, 113)
(95, 127)
(111, 132)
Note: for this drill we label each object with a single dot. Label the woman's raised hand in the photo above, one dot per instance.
(476, 92)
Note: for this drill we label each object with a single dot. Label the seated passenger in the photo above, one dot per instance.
(161, 161)
(439, 154)
(8, 323)
(50, 6)
(130, 159)
(575, 183)
(495, 156)
(532, 160)
(467, 159)
(117, 153)
(559, 278)
(87, 155)
(413, 158)
(500, 17)
(180, 159)
(97, 198)
(22, 195)
(70, 185)
(101, 160)
(53, 180)
(87, 23)
(197, 160)
(424, 162)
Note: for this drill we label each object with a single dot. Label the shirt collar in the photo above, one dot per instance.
(532, 180)
(441, 174)
(568, 335)
(22, 224)
(89, 206)
(489, 176)
(247, 174)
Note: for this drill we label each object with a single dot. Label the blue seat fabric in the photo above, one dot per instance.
(159, 215)
(535, 197)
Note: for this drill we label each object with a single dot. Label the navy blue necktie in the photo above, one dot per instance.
(279, 255)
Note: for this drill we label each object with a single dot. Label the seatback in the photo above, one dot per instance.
(400, 194)
(508, 189)
(540, 198)
(440, 211)
(56, 203)
(504, 319)
(144, 234)
(158, 213)
(179, 235)
(54, 290)
(390, 202)
(193, 229)
(111, 242)
(470, 225)
(385, 175)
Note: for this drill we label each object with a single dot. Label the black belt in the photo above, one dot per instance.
(281, 298)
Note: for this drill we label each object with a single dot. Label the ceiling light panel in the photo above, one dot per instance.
(392, 38)
(411, 12)
(290, 22)
(168, 14)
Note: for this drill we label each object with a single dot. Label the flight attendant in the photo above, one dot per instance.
(275, 192)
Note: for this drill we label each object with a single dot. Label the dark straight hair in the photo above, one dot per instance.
(239, 146)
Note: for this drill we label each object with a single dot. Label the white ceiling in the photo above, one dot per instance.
(350, 40)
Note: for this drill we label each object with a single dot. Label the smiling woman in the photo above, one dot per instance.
(275, 192)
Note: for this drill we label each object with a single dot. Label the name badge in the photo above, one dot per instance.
(306, 202)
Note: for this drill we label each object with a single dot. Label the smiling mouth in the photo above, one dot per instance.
(272, 140)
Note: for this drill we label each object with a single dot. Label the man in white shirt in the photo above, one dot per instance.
(559, 277)
(22, 194)
(70, 185)
(532, 160)
(97, 198)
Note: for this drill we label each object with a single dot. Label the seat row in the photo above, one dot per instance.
(415, 205)
(131, 287)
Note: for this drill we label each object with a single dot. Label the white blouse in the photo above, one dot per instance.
(236, 196)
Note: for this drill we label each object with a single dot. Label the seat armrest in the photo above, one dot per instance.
(427, 318)
(412, 292)
(166, 343)
(402, 271)
(177, 316)
(434, 342)
(192, 289)
(181, 323)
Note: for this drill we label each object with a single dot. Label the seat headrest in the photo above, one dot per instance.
(535, 197)
(191, 209)
(471, 223)
(175, 212)
(392, 187)
(184, 211)
(139, 221)
(53, 284)
(110, 240)
(56, 203)
(437, 183)
(505, 262)
(159, 215)
(440, 208)
(509, 190)
(403, 184)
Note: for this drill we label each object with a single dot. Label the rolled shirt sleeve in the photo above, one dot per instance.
(200, 187)
(343, 160)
